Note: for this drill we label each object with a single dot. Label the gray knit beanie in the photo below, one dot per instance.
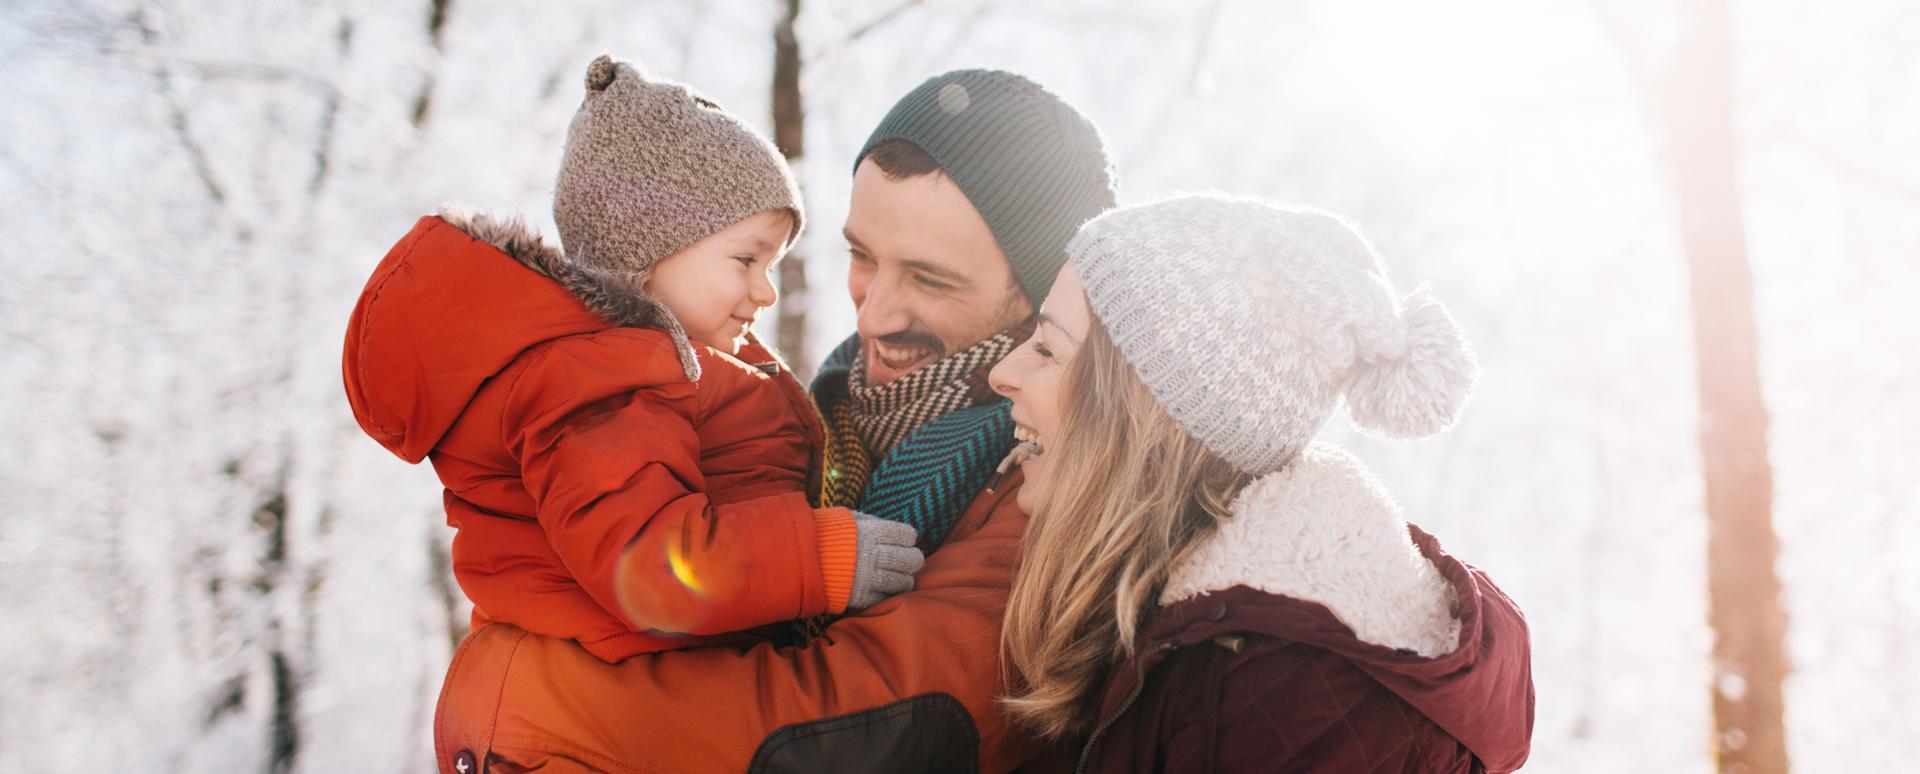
(1034, 167)
(652, 167)
(1249, 320)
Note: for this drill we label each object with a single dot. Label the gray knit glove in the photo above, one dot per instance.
(885, 562)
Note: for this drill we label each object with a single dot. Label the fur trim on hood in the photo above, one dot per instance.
(1323, 530)
(617, 299)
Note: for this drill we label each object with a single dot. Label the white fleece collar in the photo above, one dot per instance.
(1324, 530)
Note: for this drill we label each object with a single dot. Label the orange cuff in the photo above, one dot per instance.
(839, 542)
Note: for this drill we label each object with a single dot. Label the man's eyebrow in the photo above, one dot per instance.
(851, 239)
(940, 272)
(1045, 320)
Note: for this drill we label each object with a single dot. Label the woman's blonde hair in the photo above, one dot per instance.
(1130, 494)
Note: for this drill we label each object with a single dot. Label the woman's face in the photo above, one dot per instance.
(1033, 373)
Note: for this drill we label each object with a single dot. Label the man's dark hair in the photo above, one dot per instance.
(899, 159)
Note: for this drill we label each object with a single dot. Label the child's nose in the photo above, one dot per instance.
(763, 293)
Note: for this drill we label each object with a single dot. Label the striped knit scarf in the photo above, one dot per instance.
(932, 468)
(885, 414)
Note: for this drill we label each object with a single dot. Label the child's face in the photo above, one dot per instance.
(718, 285)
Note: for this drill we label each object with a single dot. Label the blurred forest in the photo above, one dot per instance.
(207, 567)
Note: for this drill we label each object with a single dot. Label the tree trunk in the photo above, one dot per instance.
(789, 133)
(1695, 105)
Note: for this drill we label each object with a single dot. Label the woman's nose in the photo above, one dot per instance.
(1002, 378)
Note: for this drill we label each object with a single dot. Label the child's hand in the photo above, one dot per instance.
(886, 561)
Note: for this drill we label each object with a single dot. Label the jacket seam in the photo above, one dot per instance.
(541, 743)
(493, 720)
(500, 697)
(440, 708)
(366, 331)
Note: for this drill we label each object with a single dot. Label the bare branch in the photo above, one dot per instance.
(436, 27)
(196, 155)
(878, 22)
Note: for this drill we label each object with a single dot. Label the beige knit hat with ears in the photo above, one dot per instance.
(1249, 321)
(650, 168)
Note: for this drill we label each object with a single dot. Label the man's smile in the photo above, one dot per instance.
(886, 363)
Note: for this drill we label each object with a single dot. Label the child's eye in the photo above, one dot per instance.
(745, 260)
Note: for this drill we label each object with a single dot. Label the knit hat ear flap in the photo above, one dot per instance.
(1413, 384)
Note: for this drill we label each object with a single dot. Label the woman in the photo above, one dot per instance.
(1202, 589)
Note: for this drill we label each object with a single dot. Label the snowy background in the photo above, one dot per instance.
(205, 566)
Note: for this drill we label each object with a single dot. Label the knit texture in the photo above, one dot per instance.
(927, 479)
(886, 563)
(1249, 321)
(846, 460)
(839, 540)
(650, 168)
(1034, 167)
(884, 414)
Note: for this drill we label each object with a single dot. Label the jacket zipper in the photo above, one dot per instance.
(1138, 685)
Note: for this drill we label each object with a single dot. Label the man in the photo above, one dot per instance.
(963, 200)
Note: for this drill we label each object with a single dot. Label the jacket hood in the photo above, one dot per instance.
(455, 302)
(1318, 553)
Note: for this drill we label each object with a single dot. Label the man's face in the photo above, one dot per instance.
(926, 274)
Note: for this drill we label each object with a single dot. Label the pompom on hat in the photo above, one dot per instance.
(1250, 320)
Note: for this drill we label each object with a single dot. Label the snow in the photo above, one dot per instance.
(210, 568)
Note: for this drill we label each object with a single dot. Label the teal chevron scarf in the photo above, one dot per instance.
(931, 473)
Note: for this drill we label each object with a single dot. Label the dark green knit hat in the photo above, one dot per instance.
(1033, 166)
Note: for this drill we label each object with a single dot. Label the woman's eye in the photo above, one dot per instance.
(1041, 350)
(745, 260)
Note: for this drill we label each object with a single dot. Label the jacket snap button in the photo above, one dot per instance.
(1219, 612)
(465, 763)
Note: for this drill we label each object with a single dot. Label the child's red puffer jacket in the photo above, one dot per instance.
(599, 494)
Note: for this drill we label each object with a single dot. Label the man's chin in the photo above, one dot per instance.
(882, 371)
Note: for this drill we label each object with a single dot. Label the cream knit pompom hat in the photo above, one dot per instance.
(1250, 320)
